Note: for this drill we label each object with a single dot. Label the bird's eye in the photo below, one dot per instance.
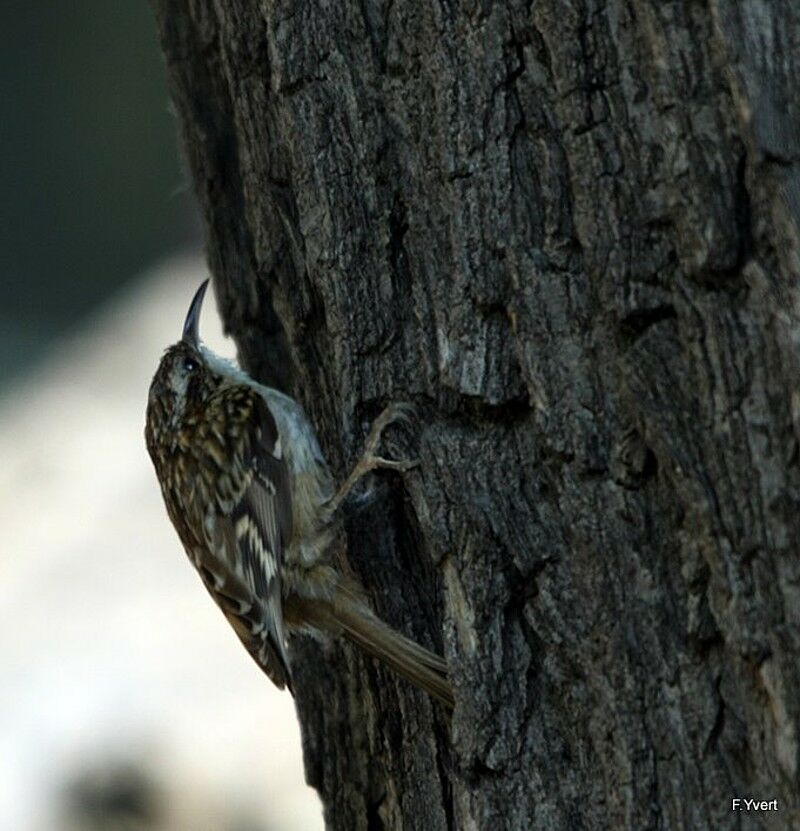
(189, 364)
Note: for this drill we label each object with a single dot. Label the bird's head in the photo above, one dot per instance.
(187, 374)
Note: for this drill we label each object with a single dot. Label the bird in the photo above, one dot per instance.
(252, 498)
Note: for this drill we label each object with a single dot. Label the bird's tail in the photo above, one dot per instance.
(348, 615)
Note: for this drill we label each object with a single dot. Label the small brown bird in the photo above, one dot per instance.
(252, 499)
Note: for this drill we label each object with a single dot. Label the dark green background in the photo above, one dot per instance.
(91, 187)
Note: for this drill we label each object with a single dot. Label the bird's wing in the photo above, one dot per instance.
(247, 528)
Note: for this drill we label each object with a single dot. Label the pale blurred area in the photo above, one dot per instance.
(126, 701)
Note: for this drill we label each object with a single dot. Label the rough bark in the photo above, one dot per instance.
(568, 231)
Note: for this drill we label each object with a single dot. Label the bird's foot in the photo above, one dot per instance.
(371, 460)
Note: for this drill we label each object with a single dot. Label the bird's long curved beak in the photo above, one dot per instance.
(191, 328)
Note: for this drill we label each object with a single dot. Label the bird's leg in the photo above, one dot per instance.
(370, 460)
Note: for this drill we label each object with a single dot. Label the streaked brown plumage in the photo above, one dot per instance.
(251, 497)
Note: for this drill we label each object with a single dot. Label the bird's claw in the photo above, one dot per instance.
(392, 414)
(370, 460)
(392, 464)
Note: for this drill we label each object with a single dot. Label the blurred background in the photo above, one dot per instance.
(125, 700)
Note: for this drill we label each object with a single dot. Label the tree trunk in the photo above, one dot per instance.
(568, 232)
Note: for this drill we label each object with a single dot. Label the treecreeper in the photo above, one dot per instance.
(253, 500)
